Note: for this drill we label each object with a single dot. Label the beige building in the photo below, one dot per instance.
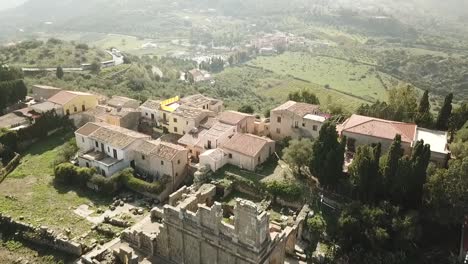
(123, 102)
(156, 159)
(150, 111)
(296, 120)
(72, 102)
(244, 123)
(202, 102)
(122, 117)
(184, 119)
(247, 151)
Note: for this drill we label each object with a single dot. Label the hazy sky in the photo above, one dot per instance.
(5, 4)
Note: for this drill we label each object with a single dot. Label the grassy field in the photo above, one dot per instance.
(30, 193)
(347, 77)
(266, 90)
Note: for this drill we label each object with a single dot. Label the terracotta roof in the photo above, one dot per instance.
(380, 128)
(300, 109)
(190, 112)
(161, 149)
(87, 129)
(247, 144)
(152, 104)
(64, 97)
(115, 136)
(192, 139)
(198, 100)
(232, 117)
(219, 129)
(47, 87)
(119, 101)
(12, 119)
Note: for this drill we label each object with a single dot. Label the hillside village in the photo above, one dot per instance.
(179, 153)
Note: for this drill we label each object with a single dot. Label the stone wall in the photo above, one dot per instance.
(40, 236)
(192, 231)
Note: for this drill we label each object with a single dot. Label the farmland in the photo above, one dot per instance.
(359, 80)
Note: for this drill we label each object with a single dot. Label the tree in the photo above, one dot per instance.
(445, 113)
(420, 159)
(304, 96)
(403, 103)
(248, 109)
(298, 154)
(328, 157)
(424, 117)
(459, 117)
(95, 67)
(390, 166)
(364, 173)
(59, 72)
(446, 196)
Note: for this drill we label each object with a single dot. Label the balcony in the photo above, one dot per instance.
(106, 165)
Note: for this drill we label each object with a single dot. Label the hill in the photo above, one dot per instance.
(51, 53)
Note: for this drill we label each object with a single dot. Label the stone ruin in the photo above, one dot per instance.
(191, 230)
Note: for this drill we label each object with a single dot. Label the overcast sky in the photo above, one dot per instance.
(5, 4)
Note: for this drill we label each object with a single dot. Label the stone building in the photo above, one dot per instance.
(191, 229)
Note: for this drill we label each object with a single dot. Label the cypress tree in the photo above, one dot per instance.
(59, 72)
(444, 114)
(390, 165)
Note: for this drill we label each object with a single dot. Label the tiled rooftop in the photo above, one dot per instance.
(64, 97)
(161, 149)
(300, 109)
(380, 128)
(115, 136)
(246, 144)
(119, 101)
(232, 117)
(198, 100)
(152, 104)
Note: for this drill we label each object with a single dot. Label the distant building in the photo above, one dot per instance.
(122, 117)
(296, 120)
(123, 102)
(14, 120)
(244, 123)
(41, 93)
(72, 102)
(150, 111)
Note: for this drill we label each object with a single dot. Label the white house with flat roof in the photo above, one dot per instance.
(438, 140)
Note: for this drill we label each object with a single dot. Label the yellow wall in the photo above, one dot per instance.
(89, 101)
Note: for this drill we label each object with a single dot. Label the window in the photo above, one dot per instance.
(303, 124)
(143, 157)
(259, 159)
(87, 164)
(83, 108)
(177, 174)
(203, 107)
(75, 109)
(175, 120)
(186, 123)
(146, 114)
(278, 119)
(162, 162)
(97, 144)
(278, 131)
(152, 116)
(296, 124)
(68, 112)
(108, 149)
(209, 144)
(314, 128)
(115, 154)
(230, 155)
(82, 139)
(178, 161)
(175, 129)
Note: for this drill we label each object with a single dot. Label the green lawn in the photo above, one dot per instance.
(29, 191)
(347, 77)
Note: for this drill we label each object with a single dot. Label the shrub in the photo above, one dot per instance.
(68, 173)
(107, 185)
(286, 190)
(138, 185)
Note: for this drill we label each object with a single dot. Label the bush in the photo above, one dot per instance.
(68, 173)
(138, 185)
(107, 185)
(286, 190)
